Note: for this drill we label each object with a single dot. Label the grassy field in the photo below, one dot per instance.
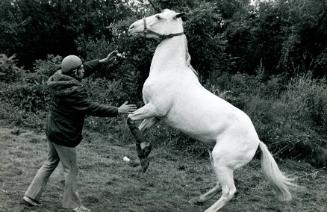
(107, 183)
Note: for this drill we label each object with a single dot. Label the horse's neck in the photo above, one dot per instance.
(170, 53)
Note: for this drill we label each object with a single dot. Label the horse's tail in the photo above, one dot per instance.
(281, 183)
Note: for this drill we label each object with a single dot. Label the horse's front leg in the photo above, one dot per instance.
(148, 123)
(143, 148)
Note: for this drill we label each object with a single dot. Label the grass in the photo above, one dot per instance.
(107, 184)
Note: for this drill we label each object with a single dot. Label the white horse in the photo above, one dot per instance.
(173, 94)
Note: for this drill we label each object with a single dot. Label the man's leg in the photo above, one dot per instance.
(67, 157)
(41, 178)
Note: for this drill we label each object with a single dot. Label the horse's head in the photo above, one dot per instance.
(168, 23)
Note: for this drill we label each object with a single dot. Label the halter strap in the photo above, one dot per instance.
(161, 36)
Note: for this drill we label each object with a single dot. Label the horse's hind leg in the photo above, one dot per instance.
(224, 162)
(230, 152)
(225, 177)
(206, 196)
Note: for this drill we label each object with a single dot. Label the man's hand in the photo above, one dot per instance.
(127, 108)
(109, 57)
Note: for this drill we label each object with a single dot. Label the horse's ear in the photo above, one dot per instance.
(180, 15)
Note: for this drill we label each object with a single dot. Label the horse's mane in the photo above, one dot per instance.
(188, 59)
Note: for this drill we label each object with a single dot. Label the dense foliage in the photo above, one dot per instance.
(269, 59)
(285, 36)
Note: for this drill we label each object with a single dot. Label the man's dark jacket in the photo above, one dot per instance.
(69, 105)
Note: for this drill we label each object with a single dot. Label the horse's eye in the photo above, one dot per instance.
(158, 17)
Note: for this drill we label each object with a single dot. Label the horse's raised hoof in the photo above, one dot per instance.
(143, 153)
(144, 164)
(147, 150)
(196, 201)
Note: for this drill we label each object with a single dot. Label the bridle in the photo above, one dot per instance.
(161, 36)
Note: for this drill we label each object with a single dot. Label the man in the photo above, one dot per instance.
(68, 107)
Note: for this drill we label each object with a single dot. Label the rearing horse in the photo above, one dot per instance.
(173, 94)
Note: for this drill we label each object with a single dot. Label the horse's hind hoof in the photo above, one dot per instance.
(144, 164)
(196, 201)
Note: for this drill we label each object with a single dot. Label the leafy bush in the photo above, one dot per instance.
(307, 98)
(287, 116)
(27, 97)
(24, 95)
(110, 93)
(43, 69)
(91, 49)
(9, 71)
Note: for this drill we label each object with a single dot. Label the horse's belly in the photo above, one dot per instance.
(204, 116)
(201, 126)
